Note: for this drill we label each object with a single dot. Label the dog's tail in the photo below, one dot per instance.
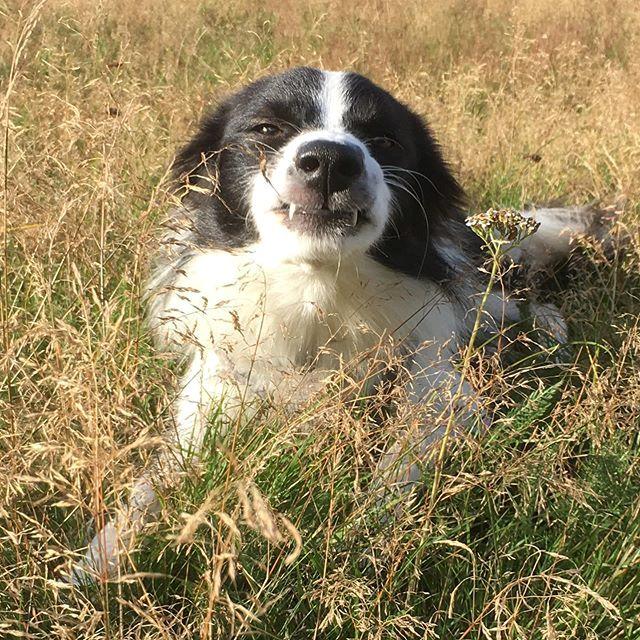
(561, 230)
(537, 259)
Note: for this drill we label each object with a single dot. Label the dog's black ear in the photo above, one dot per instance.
(198, 159)
(207, 183)
(441, 194)
(429, 205)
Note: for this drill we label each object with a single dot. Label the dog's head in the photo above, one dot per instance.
(313, 165)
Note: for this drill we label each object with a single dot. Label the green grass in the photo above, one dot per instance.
(533, 516)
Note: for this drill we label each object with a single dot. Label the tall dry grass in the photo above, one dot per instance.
(533, 534)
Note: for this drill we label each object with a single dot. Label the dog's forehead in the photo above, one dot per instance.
(294, 91)
(311, 98)
(372, 107)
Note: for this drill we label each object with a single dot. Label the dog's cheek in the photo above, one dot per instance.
(263, 199)
(381, 195)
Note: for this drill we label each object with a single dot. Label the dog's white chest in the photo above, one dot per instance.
(271, 318)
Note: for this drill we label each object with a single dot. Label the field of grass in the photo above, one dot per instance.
(531, 533)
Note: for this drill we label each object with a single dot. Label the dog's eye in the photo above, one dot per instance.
(267, 129)
(384, 143)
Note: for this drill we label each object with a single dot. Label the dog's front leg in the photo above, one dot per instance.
(439, 405)
(201, 387)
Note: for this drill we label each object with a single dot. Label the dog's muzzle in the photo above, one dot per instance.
(326, 188)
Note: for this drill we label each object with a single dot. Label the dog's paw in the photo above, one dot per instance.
(548, 318)
(102, 559)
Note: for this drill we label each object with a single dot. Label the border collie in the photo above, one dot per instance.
(318, 221)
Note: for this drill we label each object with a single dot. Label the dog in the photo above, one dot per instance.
(318, 220)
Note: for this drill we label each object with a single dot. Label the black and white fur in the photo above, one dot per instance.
(317, 220)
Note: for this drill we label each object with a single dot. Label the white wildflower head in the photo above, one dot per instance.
(498, 227)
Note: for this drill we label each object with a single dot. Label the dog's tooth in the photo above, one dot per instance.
(292, 210)
(354, 218)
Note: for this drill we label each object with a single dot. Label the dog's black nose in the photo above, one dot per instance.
(329, 166)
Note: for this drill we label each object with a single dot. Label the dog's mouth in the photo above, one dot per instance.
(314, 220)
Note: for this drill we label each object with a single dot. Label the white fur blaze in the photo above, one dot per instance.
(334, 100)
